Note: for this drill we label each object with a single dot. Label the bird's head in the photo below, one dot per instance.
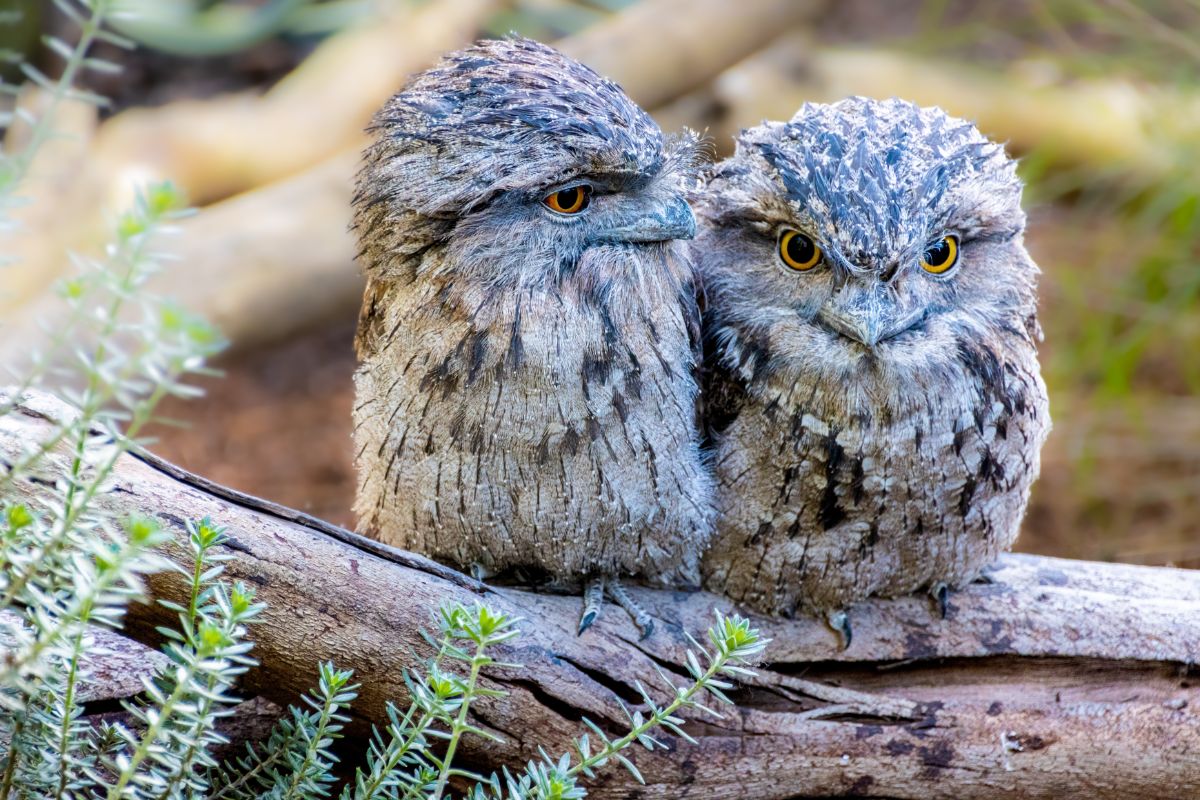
(516, 166)
(865, 236)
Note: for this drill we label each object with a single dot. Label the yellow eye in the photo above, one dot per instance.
(941, 255)
(569, 201)
(798, 251)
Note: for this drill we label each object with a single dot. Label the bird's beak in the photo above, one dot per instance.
(654, 220)
(867, 314)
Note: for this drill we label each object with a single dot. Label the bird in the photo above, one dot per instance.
(873, 398)
(529, 339)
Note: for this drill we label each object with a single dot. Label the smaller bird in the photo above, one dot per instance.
(873, 394)
(529, 337)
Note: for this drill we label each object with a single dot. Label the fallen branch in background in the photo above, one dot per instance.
(277, 259)
(1113, 125)
(1057, 679)
(216, 147)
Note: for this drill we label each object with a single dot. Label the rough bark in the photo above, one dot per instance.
(113, 668)
(1056, 679)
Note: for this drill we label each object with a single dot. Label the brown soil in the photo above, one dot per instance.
(276, 425)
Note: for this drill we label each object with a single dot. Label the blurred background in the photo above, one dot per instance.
(256, 110)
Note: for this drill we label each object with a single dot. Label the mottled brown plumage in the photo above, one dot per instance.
(876, 426)
(526, 396)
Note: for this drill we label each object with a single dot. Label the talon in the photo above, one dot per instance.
(840, 622)
(941, 596)
(593, 599)
(643, 620)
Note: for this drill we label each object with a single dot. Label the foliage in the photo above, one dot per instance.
(65, 565)
(88, 15)
(402, 763)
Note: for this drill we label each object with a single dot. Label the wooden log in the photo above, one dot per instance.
(114, 667)
(1056, 679)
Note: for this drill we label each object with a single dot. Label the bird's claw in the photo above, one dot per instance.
(644, 621)
(593, 600)
(840, 622)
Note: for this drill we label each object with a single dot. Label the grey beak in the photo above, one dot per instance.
(863, 329)
(867, 315)
(656, 222)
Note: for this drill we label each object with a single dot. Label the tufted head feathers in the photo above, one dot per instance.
(884, 191)
(492, 130)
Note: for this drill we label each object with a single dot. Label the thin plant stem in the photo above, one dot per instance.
(654, 720)
(301, 771)
(64, 732)
(163, 713)
(460, 722)
(10, 767)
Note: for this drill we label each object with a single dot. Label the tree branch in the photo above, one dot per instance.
(1057, 679)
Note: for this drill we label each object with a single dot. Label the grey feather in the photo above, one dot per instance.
(895, 461)
(526, 390)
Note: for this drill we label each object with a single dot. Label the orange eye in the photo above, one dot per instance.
(569, 201)
(798, 251)
(941, 255)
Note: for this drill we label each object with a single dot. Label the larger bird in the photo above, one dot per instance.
(528, 338)
(875, 400)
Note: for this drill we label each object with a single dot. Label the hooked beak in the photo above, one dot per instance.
(654, 220)
(866, 315)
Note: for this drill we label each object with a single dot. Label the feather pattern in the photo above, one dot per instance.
(883, 464)
(527, 387)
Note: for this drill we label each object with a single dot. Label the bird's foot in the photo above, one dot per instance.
(941, 598)
(645, 623)
(594, 593)
(840, 622)
(593, 600)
